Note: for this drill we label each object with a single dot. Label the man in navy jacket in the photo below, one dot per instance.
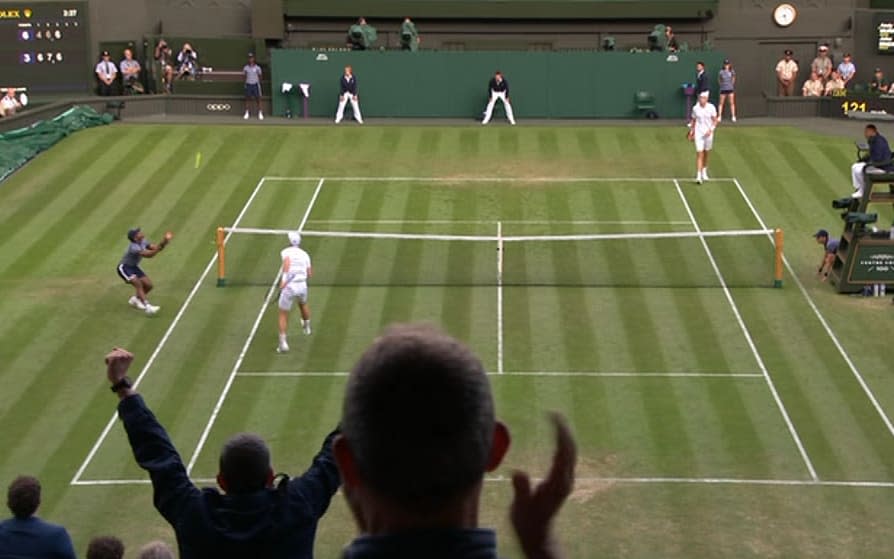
(253, 518)
(878, 160)
(347, 87)
(25, 535)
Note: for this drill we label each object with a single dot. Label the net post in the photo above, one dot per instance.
(221, 252)
(778, 239)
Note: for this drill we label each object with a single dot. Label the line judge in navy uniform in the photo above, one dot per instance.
(498, 88)
(348, 92)
(701, 78)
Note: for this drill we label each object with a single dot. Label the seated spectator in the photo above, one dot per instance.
(254, 517)
(813, 87)
(155, 550)
(879, 83)
(419, 433)
(187, 62)
(835, 86)
(24, 535)
(9, 104)
(361, 35)
(165, 57)
(106, 72)
(822, 64)
(130, 73)
(846, 69)
(105, 547)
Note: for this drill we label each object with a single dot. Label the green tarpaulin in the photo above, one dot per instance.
(17, 147)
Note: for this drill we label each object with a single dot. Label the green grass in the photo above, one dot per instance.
(628, 307)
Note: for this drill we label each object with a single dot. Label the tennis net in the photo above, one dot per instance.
(740, 258)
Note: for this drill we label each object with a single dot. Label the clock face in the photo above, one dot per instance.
(784, 15)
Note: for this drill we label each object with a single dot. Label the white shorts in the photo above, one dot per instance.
(704, 143)
(290, 293)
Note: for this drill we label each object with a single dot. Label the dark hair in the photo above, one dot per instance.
(419, 417)
(245, 463)
(871, 127)
(105, 547)
(23, 496)
(699, 63)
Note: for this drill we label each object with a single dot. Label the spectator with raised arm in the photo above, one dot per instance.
(419, 433)
(254, 516)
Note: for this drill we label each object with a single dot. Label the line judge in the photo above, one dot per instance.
(348, 92)
(498, 88)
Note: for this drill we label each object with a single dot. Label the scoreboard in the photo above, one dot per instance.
(44, 46)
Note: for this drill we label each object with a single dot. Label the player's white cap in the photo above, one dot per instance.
(705, 94)
(295, 238)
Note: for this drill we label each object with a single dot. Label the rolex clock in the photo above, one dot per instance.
(785, 14)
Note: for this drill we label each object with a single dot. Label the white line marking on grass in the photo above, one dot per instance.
(810, 302)
(720, 481)
(724, 481)
(166, 336)
(496, 179)
(748, 338)
(499, 297)
(248, 341)
(607, 374)
(488, 222)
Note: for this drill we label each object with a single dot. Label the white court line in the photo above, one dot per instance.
(251, 337)
(500, 297)
(748, 338)
(490, 222)
(167, 334)
(719, 481)
(810, 302)
(497, 179)
(607, 374)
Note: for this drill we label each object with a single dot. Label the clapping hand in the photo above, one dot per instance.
(534, 508)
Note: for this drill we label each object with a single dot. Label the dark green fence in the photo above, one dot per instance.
(454, 84)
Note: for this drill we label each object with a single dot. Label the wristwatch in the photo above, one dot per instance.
(123, 383)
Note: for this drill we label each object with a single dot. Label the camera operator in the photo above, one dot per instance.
(187, 62)
(164, 55)
(361, 35)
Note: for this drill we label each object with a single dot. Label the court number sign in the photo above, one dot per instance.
(873, 263)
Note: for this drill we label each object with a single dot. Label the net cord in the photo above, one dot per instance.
(506, 238)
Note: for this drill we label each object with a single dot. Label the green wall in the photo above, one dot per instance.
(454, 84)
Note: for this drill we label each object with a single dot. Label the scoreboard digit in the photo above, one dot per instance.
(44, 46)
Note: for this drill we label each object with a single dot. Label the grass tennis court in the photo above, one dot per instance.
(715, 414)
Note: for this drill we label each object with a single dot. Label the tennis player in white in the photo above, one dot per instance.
(701, 130)
(296, 270)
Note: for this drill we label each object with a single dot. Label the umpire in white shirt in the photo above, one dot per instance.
(498, 88)
(348, 92)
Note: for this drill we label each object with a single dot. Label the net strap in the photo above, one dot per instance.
(506, 238)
